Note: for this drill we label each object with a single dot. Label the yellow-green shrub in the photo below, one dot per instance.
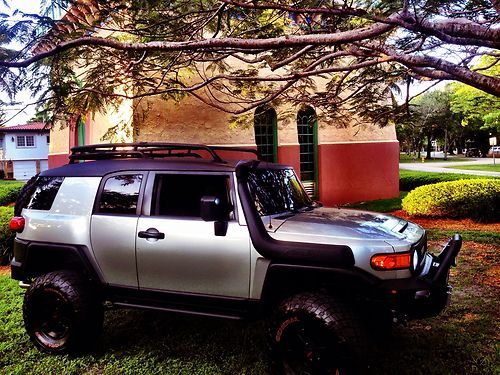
(9, 191)
(477, 199)
(6, 236)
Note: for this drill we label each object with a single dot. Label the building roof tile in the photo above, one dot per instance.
(33, 126)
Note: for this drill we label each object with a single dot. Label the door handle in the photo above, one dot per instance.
(151, 233)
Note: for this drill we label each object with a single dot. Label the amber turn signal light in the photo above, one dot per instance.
(17, 224)
(386, 262)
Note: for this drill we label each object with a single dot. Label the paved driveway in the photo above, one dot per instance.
(440, 167)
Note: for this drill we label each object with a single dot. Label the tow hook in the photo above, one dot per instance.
(420, 294)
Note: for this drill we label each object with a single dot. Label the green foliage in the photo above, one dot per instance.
(6, 236)
(474, 106)
(362, 80)
(409, 180)
(9, 191)
(477, 199)
(429, 115)
(8, 194)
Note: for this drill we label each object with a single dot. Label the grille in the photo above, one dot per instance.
(310, 188)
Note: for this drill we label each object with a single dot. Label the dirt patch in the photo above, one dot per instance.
(481, 261)
(465, 224)
(4, 270)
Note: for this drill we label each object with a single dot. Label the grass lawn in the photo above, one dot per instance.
(480, 167)
(464, 339)
(404, 158)
(381, 205)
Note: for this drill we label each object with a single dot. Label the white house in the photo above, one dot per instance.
(24, 150)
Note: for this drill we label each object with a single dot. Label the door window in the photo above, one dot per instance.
(180, 194)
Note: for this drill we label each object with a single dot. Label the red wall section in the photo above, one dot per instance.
(290, 155)
(57, 160)
(234, 154)
(353, 172)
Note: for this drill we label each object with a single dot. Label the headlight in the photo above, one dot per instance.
(417, 255)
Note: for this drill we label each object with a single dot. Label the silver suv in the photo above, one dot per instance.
(178, 228)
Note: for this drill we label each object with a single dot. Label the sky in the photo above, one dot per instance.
(28, 6)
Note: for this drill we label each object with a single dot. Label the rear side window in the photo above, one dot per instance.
(44, 193)
(120, 195)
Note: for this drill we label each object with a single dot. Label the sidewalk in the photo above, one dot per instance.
(440, 167)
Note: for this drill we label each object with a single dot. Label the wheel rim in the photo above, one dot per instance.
(308, 349)
(52, 318)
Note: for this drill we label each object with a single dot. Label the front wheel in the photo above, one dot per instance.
(60, 313)
(315, 334)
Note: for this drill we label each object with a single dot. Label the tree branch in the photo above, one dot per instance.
(211, 44)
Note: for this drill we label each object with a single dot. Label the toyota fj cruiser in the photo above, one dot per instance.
(178, 228)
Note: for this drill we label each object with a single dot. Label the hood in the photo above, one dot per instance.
(348, 224)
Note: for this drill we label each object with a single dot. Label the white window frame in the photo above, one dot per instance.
(25, 141)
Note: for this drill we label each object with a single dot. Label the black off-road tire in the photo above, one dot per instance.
(61, 314)
(316, 334)
(24, 195)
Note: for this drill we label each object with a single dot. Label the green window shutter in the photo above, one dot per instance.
(307, 130)
(81, 135)
(266, 134)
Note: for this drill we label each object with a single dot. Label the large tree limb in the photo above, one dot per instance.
(458, 31)
(212, 44)
(485, 83)
(455, 31)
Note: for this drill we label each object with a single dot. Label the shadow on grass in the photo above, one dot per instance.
(462, 340)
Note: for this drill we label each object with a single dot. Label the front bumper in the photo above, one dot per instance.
(428, 293)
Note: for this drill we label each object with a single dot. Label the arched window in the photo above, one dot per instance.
(307, 130)
(265, 123)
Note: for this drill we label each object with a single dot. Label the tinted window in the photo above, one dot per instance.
(45, 191)
(180, 194)
(277, 191)
(120, 194)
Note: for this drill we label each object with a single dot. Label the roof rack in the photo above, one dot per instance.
(149, 150)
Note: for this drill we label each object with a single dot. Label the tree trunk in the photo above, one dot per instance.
(445, 150)
(429, 147)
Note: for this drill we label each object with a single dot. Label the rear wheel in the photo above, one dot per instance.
(315, 334)
(60, 313)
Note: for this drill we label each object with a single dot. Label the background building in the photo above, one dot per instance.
(336, 164)
(24, 150)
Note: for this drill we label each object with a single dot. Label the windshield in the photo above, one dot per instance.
(277, 191)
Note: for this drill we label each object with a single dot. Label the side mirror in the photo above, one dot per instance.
(212, 209)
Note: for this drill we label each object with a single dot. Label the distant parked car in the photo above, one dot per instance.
(473, 153)
(494, 150)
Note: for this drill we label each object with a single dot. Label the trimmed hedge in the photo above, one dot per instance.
(409, 180)
(9, 191)
(6, 236)
(478, 199)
